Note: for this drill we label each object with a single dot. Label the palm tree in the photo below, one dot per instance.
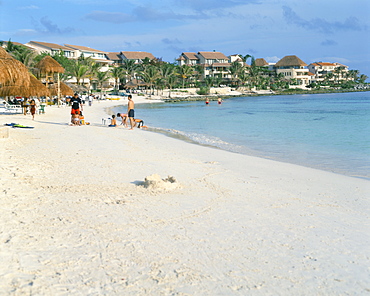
(171, 81)
(246, 57)
(117, 73)
(79, 71)
(338, 73)
(353, 74)
(130, 68)
(102, 77)
(185, 72)
(362, 78)
(328, 76)
(235, 70)
(150, 75)
(167, 71)
(21, 53)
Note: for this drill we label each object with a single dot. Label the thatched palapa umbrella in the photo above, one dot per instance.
(14, 76)
(77, 88)
(37, 88)
(65, 90)
(48, 66)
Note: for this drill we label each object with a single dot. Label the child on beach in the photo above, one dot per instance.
(113, 122)
(33, 109)
(124, 118)
(82, 118)
(75, 119)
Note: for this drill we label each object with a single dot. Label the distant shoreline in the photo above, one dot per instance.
(214, 97)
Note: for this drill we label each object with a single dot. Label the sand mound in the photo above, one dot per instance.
(156, 183)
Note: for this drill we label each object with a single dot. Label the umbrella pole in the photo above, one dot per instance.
(58, 90)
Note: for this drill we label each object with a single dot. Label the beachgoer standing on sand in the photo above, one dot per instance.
(131, 112)
(33, 109)
(76, 104)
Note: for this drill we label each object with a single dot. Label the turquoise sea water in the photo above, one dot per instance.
(325, 131)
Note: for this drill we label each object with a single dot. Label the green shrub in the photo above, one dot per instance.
(203, 90)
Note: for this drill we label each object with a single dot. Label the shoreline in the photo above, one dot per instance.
(245, 150)
(76, 218)
(213, 97)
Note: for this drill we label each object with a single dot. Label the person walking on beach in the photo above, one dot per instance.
(33, 109)
(76, 104)
(131, 112)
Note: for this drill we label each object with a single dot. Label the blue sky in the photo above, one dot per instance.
(314, 30)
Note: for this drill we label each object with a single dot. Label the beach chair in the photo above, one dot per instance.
(13, 108)
(104, 120)
(42, 109)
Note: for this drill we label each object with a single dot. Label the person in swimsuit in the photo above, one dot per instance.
(33, 109)
(76, 104)
(124, 118)
(113, 121)
(131, 112)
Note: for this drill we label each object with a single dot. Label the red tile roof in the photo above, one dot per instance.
(50, 45)
(190, 55)
(214, 55)
(83, 48)
(137, 55)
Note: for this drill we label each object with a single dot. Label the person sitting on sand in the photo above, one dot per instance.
(82, 118)
(75, 119)
(124, 118)
(113, 122)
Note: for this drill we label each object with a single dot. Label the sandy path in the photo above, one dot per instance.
(74, 220)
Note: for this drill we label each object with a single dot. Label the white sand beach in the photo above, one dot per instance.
(76, 218)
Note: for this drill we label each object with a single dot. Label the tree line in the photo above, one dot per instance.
(157, 75)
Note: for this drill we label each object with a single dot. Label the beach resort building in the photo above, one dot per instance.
(188, 58)
(137, 56)
(293, 68)
(114, 57)
(214, 64)
(324, 71)
(52, 49)
(88, 52)
(236, 58)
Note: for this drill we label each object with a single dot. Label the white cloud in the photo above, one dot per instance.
(273, 59)
(30, 7)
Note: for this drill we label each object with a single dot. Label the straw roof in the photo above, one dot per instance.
(261, 62)
(65, 90)
(49, 65)
(135, 83)
(77, 88)
(37, 88)
(14, 76)
(290, 61)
